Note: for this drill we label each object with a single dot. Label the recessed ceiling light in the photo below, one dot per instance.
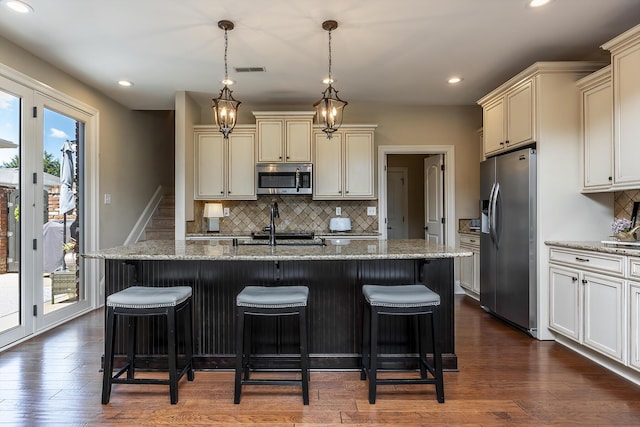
(125, 83)
(18, 6)
(454, 80)
(538, 3)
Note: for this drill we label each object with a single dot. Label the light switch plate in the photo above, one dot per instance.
(338, 211)
(107, 198)
(225, 212)
(371, 210)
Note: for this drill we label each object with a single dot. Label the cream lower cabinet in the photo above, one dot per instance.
(470, 266)
(344, 165)
(224, 169)
(587, 300)
(634, 312)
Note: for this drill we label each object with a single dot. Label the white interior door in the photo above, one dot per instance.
(433, 199)
(397, 203)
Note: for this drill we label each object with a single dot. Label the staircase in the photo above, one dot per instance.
(162, 225)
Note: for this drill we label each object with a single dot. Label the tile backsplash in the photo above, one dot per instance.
(623, 202)
(297, 213)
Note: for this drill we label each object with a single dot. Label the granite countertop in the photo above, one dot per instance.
(335, 249)
(619, 249)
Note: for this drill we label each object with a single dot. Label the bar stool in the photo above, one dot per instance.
(137, 301)
(401, 300)
(270, 301)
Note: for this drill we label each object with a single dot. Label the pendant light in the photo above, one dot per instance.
(329, 109)
(225, 107)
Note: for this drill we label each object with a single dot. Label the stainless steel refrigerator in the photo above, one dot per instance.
(508, 238)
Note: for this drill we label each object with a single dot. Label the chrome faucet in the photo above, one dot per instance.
(272, 224)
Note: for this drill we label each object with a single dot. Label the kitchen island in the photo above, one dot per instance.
(217, 270)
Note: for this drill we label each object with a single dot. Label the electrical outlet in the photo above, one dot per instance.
(225, 212)
(338, 211)
(371, 210)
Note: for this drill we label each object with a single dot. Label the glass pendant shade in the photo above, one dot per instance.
(329, 111)
(225, 110)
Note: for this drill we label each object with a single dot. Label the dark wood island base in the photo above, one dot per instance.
(334, 272)
(335, 306)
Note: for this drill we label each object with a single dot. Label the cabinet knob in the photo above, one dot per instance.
(574, 279)
(347, 191)
(229, 191)
(339, 191)
(584, 281)
(288, 157)
(610, 178)
(502, 143)
(222, 192)
(507, 142)
(280, 157)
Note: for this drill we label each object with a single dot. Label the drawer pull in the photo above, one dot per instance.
(574, 279)
(472, 241)
(582, 259)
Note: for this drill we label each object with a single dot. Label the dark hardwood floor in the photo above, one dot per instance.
(505, 378)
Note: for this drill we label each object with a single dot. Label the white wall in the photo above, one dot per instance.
(135, 147)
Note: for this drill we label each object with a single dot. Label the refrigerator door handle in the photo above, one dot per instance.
(492, 214)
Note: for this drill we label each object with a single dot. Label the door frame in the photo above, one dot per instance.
(449, 184)
(90, 269)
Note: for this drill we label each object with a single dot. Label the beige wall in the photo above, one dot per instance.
(406, 125)
(136, 148)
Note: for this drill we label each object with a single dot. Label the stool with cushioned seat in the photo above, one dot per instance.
(401, 300)
(270, 301)
(137, 301)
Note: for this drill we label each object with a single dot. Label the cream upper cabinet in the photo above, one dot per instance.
(344, 165)
(625, 62)
(284, 136)
(509, 118)
(224, 169)
(596, 107)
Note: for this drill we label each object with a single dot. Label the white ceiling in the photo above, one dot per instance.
(398, 51)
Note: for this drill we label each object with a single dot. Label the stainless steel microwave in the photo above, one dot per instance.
(284, 178)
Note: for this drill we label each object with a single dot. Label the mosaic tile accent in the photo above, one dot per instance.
(623, 202)
(297, 213)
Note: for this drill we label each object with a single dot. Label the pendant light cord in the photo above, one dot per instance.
(330, 78)
(226, 42)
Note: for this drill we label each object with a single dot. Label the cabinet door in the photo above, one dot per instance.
(270, 141)
(493, 126)
(603, 314)
(327, 173)
(597, 136)
(298, 141)
(466, 271)
(242, 172)
(358, 165)
(634, 321)
(209, 166)
(476, 271)
(520, 115)
(627, 110)
(564, 302)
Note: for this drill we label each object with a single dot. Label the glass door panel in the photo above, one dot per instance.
(60, 231)
(14, 324)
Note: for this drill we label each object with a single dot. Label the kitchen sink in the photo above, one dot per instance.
(285, 235)
(314, 242)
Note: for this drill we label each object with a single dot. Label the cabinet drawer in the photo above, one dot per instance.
(470, 240)
(634, 268)
(595, 261)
